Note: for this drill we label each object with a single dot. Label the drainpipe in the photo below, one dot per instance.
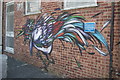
(1, 1)
(2, 26)
(111, 40)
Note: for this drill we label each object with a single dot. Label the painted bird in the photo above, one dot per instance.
(66, 27)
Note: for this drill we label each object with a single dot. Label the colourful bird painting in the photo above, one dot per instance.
(67, 27)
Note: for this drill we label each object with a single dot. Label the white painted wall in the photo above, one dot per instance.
(0, 26)
(3, 58)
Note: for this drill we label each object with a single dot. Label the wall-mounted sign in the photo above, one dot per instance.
(89, 26)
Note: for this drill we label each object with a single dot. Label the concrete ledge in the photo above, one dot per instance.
(3, 66)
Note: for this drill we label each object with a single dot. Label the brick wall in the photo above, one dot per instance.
(94, 66)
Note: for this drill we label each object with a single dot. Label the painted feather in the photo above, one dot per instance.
(20, 33)
(105, 25)
(96, 14)
(100, 37)
(101, 52)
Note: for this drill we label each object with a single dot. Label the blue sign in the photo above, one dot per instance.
(89, 26)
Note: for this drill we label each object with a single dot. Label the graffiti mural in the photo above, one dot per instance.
(69, 27)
